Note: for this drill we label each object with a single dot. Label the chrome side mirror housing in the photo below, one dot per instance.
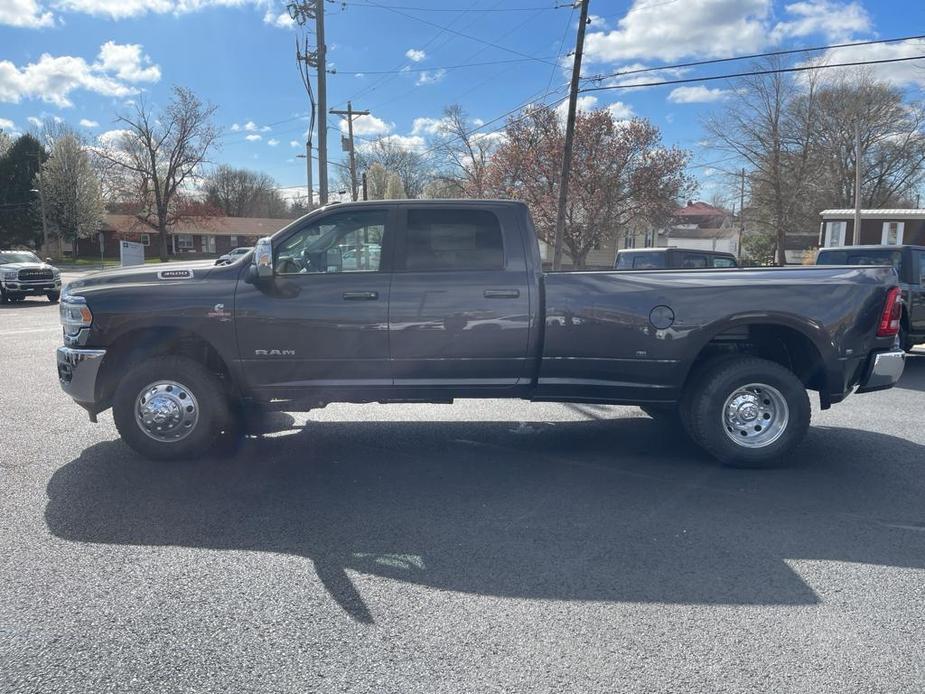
(263, 258)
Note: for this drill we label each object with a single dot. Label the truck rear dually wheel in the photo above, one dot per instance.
(748, 412)
(170, 408)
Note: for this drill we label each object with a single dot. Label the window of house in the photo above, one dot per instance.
(145, 239)
(339, 242)
(892, 234)
(452, 240)
(208, 244)
(835, 234)
(185, 242)
(233, 241)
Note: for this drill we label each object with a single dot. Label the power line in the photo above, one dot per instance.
(751, 56)
(356, 3)
(752, 73)
(461, 34)
(437, 67)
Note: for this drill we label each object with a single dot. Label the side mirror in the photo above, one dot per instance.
(263, 258)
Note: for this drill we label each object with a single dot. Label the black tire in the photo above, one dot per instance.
(905, 342)
(206, 389)
(53, 296)
(3, 297)
(706, 400)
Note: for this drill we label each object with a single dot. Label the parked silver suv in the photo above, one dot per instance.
(23, 274)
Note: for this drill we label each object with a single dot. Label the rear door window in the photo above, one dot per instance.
(692, 261)
(461, 239)
(921, 255)
(644, 261)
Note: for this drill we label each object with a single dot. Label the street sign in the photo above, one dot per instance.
(131, 253)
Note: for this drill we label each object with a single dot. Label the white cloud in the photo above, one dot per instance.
(429, 126)
(295, 143)
(412, 142)
(697, 95)
(111, 138)
(87, 123)
(7, 124)
(584, 103)
(905, 74)
(254, 138)
(281, 20)
(367, 125)
(621, 111)
(661, 30)
(127, 62)
(834, 20)
(52, 78)
(272, 142)
(35, 121)
(415, 55)
(25, 14)
(430, 77)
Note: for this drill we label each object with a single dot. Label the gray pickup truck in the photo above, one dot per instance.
(427, 301)
(22, 274)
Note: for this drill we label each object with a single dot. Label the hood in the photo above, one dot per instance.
(155, 273)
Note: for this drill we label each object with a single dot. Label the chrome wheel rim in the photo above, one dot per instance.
(166, 411)
(755, 415)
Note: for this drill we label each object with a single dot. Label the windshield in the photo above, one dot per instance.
(21, 257)
(862, 257)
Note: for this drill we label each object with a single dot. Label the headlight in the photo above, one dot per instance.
(10, 274)
(56, 273)
(75, 314)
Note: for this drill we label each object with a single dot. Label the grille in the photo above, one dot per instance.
(32, 275)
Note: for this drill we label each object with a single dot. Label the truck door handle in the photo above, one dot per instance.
(501, 293)
(361, 296)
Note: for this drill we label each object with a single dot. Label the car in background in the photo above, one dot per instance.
(672, 259)
(23, 273)
(909, 263)
(232, 256)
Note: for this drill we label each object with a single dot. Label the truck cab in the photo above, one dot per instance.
(909, 264)
(672, 259)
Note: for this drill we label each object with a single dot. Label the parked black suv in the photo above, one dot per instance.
(672, 259)
(909, 263)
(22, 274)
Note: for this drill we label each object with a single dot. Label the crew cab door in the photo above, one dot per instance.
(917, 294)
(460, 301)
(321, 323)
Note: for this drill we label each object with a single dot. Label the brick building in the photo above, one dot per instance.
(887, 227)
(201, 237)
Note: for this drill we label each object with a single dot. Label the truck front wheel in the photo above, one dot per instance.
(170, 408)
(748, 412)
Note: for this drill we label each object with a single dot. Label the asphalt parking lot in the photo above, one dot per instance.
(487, 546)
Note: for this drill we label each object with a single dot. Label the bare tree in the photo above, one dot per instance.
(158, 155)
(244, 193)
(411, 166)
(762, 128)
(465, 151)
(70, 187)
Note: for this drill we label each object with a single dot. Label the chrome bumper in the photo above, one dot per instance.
(77, 372)
(883, 371)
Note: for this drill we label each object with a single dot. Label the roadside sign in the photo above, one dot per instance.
(131, 253)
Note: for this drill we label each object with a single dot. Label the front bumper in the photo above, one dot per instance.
(883, 371)
(31, 286)
(77, 373)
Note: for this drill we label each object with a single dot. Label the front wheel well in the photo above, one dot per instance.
(145, 343)
(784, 345)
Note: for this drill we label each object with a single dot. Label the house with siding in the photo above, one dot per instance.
(892, 227)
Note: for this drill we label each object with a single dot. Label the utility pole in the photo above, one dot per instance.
(741, 215)
(322, 103)
(569, 135)
(366, 190)
(301, 12)
(856, 237)
(350, 113)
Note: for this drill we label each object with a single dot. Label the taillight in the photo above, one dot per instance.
(892, 313)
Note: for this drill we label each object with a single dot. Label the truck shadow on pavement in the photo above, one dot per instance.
(605, 510)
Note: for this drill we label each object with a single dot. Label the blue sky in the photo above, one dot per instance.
(85, 60)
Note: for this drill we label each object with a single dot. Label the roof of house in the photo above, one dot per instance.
(700, 209)
(198, 226)
(895, 213)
